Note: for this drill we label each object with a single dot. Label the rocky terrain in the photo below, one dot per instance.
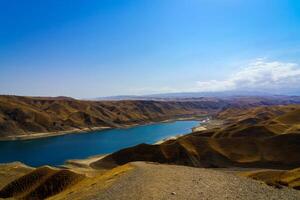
(142, 180)
(29, 117)
(147, 181)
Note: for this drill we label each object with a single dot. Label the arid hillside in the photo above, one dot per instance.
(142, 180)
(266, 137)
(40, 183)
(276, 178)
(25, 116)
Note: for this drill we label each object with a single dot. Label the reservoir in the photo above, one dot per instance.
(55, 150)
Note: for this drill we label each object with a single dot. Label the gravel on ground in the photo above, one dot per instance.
(149, 181)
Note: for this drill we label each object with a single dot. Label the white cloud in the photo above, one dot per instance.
(258, 75)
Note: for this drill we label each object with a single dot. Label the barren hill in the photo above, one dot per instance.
(266, 137)
(28, 115)
(25, 116)
(257, 137)
(277, 178)
(142, 180)
(40, 183)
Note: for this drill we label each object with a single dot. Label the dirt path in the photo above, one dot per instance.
(152, 181)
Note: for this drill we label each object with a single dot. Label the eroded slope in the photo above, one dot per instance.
(248, 139)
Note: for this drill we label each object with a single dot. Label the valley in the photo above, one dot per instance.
(247, 150)
(35, 117)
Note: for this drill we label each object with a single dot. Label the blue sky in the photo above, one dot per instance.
(112, 47)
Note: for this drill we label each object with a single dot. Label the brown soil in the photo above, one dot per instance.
(40, 183)
(164, 182)
(277, 178)
(22, 117)
(236, 143)
(260, 137)
(12, 171)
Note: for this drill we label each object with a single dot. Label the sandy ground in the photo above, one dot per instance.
(208, 124)
(199, 128)
(204, 125)
(153, 181)
(83, 163)
(169, 138)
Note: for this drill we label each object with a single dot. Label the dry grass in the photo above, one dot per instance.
(264, 137)
(20, 116)
(46, 182)
(40, 183)
(89, 187)
(276, 178)
(214, 152)
(12, 171)
(248, 138)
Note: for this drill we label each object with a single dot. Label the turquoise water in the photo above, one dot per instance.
(55, 150)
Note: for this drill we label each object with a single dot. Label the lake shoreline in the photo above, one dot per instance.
(92, 129)
(69, 150)
(204, 124)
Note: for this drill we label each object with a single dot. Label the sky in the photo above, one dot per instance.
(94, 48)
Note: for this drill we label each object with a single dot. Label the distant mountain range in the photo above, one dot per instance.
(191, 95)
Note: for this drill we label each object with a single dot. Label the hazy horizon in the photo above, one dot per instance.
(105, 48)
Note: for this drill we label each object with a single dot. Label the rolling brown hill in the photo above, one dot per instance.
(277, 178)
(248, 138)
(40, 183)
(199, 151)
(25, 116)
(143, 180)
(29, 115)
(260, 121)
(12, 171)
